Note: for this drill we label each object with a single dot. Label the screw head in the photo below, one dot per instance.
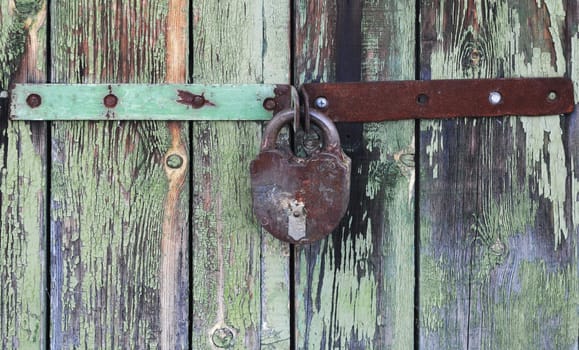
(223, 338)
(321, 102)
(174, 161)
(33, 100)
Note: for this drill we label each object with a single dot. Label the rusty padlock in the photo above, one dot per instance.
(300, 200)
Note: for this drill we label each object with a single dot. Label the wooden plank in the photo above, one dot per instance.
(498, 199)
(22, 183)
(146, 101)
(355, 289)
(240, 283)
(119, 201)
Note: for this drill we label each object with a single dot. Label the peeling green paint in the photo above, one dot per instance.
(241, 272)
(488, 262)
(22, 189)
(355, 289)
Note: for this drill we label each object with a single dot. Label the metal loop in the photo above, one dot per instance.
(306, 104)
(296, 106)
(330, 133)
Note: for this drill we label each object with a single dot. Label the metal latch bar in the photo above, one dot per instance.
(149, 101)
(436, 99)
(342, 102)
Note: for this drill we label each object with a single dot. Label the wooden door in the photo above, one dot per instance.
(460, 234)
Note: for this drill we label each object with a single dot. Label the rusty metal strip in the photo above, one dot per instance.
(438, 99)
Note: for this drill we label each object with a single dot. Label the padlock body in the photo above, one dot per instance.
(320, 184)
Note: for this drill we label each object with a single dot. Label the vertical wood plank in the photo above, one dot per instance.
(498, 200)
(119, 202)
(240, 274)
(22, 183)
(355, 289)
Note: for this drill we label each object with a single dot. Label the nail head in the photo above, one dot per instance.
(223, 338)
(174, 161)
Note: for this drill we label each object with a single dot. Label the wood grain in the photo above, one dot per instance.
(22, 183)
(240, 283)
(355, 289)
(498, 200)
(119, 212)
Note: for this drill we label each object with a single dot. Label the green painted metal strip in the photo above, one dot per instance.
(148, 101)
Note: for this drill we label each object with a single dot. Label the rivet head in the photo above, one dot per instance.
(495, 97)
(223, 338)
(198, 101)
(110, 101)
(174, 161)
(321, 102)
(269, 104)
(33, 100)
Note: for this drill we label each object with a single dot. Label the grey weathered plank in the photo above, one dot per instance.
(355, 289)
(498, 199)
(22, 183)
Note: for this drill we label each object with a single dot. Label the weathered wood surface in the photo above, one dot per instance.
(119, 212)
(240, 286)
(355, 289)
(498, 197)
(22, 183)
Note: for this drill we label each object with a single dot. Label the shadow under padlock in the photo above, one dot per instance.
(300, 199)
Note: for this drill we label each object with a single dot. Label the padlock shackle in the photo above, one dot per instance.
(331, 136)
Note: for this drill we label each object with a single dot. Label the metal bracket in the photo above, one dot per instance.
(438, 99)
(342, 102)
(149, 101)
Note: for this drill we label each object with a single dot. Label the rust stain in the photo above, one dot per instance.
(190, 99)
